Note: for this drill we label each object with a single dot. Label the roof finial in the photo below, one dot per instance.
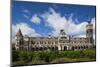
(62, 32)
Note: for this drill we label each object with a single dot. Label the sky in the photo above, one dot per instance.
(43, 19)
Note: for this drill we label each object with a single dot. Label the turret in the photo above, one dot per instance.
(19, 40)
(89, 32)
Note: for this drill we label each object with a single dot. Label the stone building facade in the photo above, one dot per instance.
(62, 42)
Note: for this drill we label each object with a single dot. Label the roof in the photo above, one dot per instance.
(19, 33)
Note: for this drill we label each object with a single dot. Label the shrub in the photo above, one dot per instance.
(48, 56)
(90, 54)
(15, 56)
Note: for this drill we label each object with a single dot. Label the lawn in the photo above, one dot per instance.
(49, 57)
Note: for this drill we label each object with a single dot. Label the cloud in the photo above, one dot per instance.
(26, 16)
(26, 11)
(83, 34)
(57, 22)
(54, 20)
(35, 19)
(25, 28)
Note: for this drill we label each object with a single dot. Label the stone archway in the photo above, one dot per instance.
(75, 47)
(45, 48)
(86, 47)
(36, 48)
(79, 47)
(52, 48)
(65, 47)
(82, 47)
(72, 48)
(41, 48)
(56, 48)
(49, 47)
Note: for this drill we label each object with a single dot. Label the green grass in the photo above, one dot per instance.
(47, 57)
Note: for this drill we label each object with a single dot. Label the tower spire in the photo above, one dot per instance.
(19, 33)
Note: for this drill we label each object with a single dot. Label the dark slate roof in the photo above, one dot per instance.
(19, 33)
